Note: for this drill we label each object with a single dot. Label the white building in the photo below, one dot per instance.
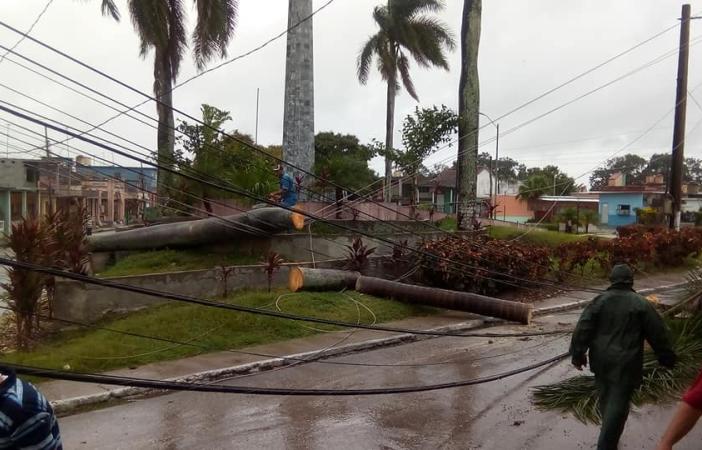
(504, 187)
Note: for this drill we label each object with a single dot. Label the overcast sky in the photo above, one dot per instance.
(526, 48)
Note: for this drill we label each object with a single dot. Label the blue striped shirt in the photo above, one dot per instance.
(27, 421)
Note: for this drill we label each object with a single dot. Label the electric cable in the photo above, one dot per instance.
(127, 86)
(268, 355)
(219, 131)
(29, 30)
(232, 307)
(198, 387)
(245, 193)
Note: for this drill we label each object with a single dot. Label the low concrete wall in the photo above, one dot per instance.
(78, 301)
(298, 246)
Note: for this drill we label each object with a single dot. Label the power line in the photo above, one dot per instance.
(198, 387)
(243, 192)
(245, 309)
(317, 360)
(29, 30)
(148, 96)
(127, 86)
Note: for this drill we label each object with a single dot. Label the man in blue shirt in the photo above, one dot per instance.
(27, 421)
(287, 195)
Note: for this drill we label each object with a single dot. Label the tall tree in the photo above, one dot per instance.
(203, 152)
(631, 165)
(534, 187)
(468, 110)
(560, 183)
(161, 27)
(343, 160)
(405, 30)
(422, 133)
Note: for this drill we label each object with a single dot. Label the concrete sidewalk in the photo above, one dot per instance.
(67, 395)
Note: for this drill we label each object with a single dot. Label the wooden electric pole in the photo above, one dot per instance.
(680, 111)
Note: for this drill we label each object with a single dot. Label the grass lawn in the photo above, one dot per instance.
(536, 237)
(98, 350)
(172, 261)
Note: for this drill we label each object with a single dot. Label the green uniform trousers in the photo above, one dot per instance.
(615, 402)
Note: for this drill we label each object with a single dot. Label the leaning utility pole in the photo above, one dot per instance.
(468, 111)
(680, 112)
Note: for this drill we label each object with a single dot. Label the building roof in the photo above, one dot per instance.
(569, 198)
(644, 188)
(131, 175)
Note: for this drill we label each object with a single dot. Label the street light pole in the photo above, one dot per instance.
(497, 165)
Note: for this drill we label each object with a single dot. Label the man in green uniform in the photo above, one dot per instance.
(613, 329)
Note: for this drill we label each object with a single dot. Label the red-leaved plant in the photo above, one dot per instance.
(271, 263)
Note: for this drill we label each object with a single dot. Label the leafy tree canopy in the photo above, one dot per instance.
(343, 160)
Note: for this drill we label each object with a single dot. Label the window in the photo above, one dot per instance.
(32, 174)
(623, 210)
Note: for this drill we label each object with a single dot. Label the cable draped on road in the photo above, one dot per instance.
(199, 387)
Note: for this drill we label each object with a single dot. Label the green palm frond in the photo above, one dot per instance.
(216, 21)
(109, 8)
(578, 395)
(409, 8)
(403, 68)
(365, 58)
(402, 26)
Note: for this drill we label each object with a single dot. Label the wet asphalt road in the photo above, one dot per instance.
(497, 415)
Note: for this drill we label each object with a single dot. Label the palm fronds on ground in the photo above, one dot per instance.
(578, 395)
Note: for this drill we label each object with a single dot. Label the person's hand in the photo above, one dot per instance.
(664, 446)
(579, 363)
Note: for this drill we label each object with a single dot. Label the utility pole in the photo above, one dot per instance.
(497, 169)
(680, 112)
(258, 94)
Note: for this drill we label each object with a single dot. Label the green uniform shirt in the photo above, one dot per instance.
(613, 328)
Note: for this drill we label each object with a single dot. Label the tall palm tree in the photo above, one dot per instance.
(404, 29)
(468, 111)
(160, 25)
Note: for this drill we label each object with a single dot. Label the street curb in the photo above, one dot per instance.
(581, 303)
(68, 405)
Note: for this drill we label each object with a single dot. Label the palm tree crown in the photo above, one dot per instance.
(404, 29)
(160, 25)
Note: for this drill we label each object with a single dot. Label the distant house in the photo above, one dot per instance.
(19, 194)
(440, 189)
(547, 207)
(619, 202)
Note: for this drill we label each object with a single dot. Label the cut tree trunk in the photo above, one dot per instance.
(257, 222)
(442, 298)
(307, 279)
(469, 107)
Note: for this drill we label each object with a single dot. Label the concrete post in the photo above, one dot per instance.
(98, 213)
(24, 204)
(298, 125)
(110, 202)
(121, 215)
(6, 205)
(38, 205)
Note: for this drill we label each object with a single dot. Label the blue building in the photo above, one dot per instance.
(618, 204)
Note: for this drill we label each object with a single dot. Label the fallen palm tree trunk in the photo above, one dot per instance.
(579, 395)
(257, 222)
(442, 298)
(308, 279)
